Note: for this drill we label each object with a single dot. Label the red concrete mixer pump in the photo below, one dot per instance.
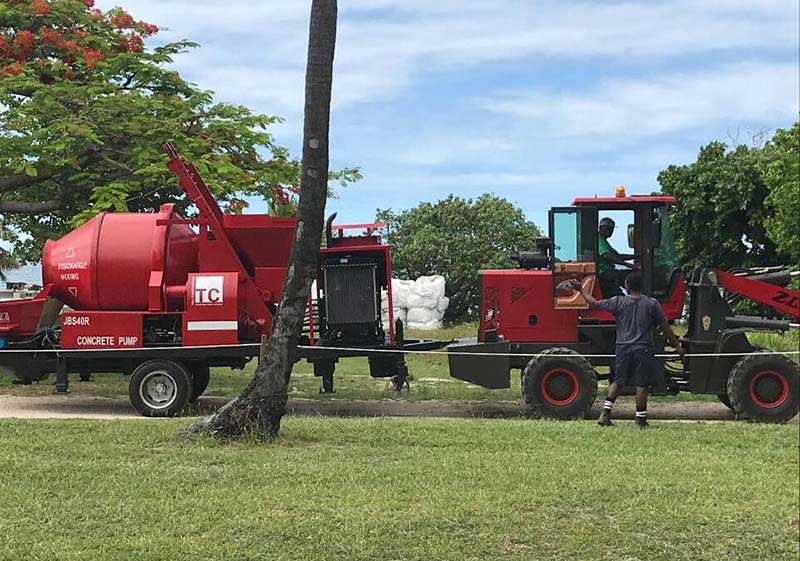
(164, 298)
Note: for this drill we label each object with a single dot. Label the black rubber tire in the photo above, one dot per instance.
(739, 390)
(174, 373)
(201, 374)
(723, 398)
(581, 395)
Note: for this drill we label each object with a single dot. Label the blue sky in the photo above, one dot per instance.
(536, 101)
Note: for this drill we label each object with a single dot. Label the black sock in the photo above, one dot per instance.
(609, 403)
(641, 414)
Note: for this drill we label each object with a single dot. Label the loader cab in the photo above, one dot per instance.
(642, 222)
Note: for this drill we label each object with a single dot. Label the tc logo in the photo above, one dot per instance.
(208, 290)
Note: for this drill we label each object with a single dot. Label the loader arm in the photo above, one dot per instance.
(784, 300)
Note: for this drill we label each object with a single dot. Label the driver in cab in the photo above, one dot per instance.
(610, 278)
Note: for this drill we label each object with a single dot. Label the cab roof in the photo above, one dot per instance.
(625, 201)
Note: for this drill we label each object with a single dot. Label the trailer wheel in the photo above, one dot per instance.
(160, 388)
(559, 383)
(201, 374)
(765, 388)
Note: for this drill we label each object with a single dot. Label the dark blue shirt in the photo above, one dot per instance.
(637, 319)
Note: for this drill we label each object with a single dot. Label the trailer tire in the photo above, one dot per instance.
(201, 375)
(559, 383)
(160, 388)
(765, 388)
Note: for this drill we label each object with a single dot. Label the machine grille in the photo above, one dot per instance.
(350, 293)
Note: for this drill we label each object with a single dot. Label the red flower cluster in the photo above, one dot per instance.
(280, 194)
(24, 44)
(132, 43)
(52, 37)
(90, 3)
(122, 21)
(5, 48)
(92, 58)
(12, 69)
(40, 8)
(149, 29)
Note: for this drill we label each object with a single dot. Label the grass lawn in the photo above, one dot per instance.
(391, 489)
(431, 377)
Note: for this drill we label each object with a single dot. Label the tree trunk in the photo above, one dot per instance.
(261, 405)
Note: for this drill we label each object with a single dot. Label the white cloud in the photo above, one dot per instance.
(384, 46)
(663, 103)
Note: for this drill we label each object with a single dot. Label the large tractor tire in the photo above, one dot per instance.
(160, 388)
(559, 383)
(765, 388)
(723, 398)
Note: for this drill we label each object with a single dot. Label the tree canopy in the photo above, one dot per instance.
(737, 206)
(782, 176)
(84, 108)
(456, 238)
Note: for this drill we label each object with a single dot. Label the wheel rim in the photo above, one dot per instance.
(560, 386)
(158, 390)
(769, 389)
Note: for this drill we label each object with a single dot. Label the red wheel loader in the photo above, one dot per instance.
(531, 320)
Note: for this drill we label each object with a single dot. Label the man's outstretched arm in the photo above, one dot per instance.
(593, 303)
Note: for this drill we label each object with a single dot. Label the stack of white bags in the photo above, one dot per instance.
(421, 304)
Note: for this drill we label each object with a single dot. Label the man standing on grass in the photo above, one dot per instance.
(637, 317)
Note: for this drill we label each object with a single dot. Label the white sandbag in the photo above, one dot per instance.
(424, 315)
(432, 285)
(400, 292)
(398, 313)
(444, 302)
(422, 301)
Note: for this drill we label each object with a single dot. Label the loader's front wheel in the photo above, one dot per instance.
(765, 388)
(723, 398)
(559, 383)
(160, 388)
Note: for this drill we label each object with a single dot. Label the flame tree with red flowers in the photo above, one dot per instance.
(84, 108)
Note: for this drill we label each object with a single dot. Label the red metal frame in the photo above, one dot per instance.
(785, 300)
(624, 201)
(518, 303)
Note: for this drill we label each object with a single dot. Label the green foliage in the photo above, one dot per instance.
(782, 176)
(84, 109)
(720, 216)
(456, 238)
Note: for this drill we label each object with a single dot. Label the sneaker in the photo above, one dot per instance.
(642, 423)
(605, 418)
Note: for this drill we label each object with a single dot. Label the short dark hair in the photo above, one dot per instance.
(634, 282)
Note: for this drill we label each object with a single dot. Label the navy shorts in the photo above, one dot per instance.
(636, 368)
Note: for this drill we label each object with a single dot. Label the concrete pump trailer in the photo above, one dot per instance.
(163, 299)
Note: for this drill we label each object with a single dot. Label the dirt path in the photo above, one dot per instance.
(69, 406)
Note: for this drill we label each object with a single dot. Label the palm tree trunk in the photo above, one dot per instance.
(258, 410)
